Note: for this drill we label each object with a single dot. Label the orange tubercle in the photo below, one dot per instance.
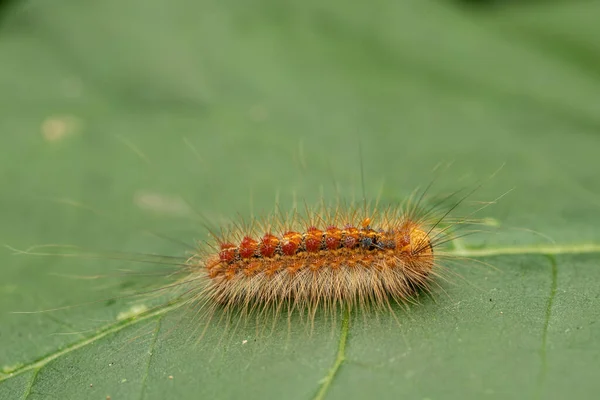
(332, 248)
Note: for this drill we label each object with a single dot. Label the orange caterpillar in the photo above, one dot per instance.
(331, 259)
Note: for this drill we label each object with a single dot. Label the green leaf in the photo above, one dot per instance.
(123, 118)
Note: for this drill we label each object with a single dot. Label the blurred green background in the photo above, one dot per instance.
(119, 117)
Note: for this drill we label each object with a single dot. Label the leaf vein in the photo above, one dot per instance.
(548, 315)
(339, 360)
(107, 330)
(150, 355)
(27, 392)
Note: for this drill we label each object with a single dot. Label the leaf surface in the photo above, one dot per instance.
(123, 118)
